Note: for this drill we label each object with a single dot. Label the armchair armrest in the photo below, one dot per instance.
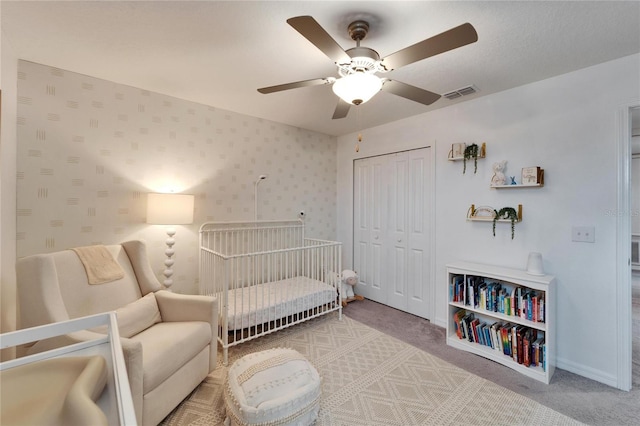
(188, 307)
(131, 350)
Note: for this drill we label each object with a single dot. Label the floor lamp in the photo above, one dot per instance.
(170, 210)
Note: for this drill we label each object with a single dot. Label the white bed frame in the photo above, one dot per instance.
(267, 276)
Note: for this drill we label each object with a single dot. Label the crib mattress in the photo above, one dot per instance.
(270, 301)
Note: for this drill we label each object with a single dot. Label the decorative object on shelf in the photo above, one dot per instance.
(532, 176)
(481, 213)
(464, 152)
(470, 151)
(534, 264)
(508, 213)
(170, 210)
(498, 177)
(513, 180)
(457, 150)
(505, 214)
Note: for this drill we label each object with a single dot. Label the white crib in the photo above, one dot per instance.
(267, 276)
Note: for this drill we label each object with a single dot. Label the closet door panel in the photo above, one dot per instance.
(378, 219)
(418, 233)
(361, 244)
(368, 223)
(397, 236)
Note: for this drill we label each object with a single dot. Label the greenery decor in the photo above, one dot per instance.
(470, 151)
(506, 213)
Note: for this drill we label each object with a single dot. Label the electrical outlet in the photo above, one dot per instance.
(583, 234)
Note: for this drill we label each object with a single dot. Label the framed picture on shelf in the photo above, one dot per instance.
(532, 176)
(457, 150)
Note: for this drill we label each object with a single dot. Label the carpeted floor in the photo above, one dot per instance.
(580, 398)
(370, 378)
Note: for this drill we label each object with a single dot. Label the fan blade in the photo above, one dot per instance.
(443, 42)
(304, 83)
(410, 92)
(342, 109)
(312, 31)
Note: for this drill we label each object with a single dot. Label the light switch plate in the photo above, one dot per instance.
(583, 234)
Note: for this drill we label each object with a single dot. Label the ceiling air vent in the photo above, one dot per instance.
(464, 91)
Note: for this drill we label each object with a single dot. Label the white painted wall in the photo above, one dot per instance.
(566, 125)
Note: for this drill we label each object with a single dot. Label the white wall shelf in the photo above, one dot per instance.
(472, 214)
(518, 186)
(482, 153)
(489, 311)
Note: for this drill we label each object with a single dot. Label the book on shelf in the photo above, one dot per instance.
(495, 336)
(474, 331)
(505, 331)
(457, 320)
(526, 348)
(457, 289)
(466, 327)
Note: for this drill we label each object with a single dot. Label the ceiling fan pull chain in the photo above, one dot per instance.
(359, 119)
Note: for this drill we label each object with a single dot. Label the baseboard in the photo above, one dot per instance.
(439, 322)
(589, 373)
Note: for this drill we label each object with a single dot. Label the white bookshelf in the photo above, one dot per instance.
(509, 279)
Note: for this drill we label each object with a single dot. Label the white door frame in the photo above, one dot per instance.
(623, 245)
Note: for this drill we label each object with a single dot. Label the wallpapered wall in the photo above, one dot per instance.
(89, 151)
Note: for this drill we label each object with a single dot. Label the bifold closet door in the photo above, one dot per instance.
(369, 193)
(391, 232)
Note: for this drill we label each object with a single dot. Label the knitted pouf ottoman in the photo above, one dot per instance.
(272, 387)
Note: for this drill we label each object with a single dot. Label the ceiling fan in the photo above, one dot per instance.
(358, 66)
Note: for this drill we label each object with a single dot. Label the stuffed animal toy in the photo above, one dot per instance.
(349, 281)
(498, 173)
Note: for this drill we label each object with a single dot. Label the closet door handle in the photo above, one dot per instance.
(375, 238)
(399, 240)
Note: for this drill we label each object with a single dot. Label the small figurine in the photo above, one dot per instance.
(498, 175)
(513, 180)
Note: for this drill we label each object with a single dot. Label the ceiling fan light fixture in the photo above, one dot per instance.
(357, 88)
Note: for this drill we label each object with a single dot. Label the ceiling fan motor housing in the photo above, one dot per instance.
(363, 59)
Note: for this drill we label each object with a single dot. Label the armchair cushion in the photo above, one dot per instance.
(138, 316)
(169, 345)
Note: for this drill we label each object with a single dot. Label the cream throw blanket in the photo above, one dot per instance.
(100, 266)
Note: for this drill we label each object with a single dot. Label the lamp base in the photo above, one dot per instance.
(168, 262)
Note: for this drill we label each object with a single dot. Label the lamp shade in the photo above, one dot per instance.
(357, 88)
(169, 209)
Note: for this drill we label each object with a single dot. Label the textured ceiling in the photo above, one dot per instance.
(218, 53)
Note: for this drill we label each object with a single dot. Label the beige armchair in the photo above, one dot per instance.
(168, 340)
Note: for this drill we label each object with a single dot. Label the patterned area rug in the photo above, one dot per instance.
(371, 379)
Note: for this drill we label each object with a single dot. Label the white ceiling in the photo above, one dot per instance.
(219, 52)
